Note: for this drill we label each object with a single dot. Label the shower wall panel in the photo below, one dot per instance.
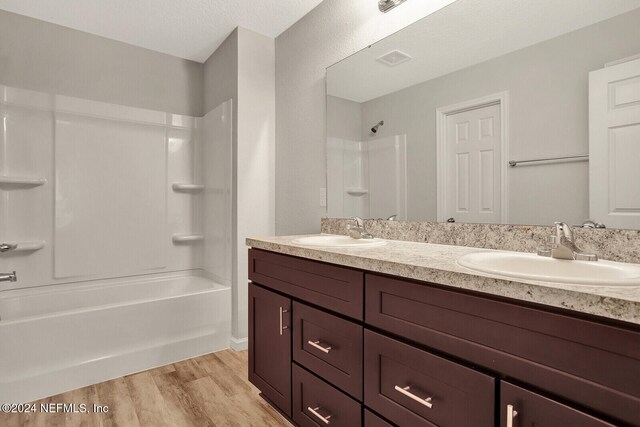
(103, 205)
(110, 197)
(215, 150)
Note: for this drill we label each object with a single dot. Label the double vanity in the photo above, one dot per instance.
(374, 332)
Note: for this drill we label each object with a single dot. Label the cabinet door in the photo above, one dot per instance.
(523, 408)
(270, 346)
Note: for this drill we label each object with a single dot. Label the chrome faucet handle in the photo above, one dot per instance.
(8, 277)
(544, 252)
(579, 256)
(359, 221)
(392, 217)
(591, 224)
(563, 230)
(6, 247)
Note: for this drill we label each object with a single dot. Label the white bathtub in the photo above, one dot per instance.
(58, 338)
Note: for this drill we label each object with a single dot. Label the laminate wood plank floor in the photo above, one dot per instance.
(210, 390)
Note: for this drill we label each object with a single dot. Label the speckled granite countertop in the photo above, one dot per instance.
(437, 264)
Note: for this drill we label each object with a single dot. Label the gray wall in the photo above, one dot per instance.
(329, 33)
(221, 75)
(548, 87)
(243, 69)
(344, 119)
(255, 154)
(44, 57)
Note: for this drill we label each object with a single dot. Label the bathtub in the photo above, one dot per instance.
(58, 338)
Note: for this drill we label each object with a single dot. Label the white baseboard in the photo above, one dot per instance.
(239, 344)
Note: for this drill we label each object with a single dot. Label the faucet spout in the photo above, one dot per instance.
(561, 245)
(358, 231)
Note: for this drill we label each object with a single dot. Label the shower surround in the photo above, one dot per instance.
(123, 239)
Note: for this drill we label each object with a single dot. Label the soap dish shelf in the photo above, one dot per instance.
(180, 187)
(187, 238)
(357, 191)
(7, 182)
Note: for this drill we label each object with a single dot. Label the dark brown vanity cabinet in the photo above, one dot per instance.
(330, 343)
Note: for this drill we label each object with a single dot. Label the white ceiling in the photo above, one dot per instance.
(460, 35)
(190, 29)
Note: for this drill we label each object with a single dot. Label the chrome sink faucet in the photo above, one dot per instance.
(561, 245)
(357, 231)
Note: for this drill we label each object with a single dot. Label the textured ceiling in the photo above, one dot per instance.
(460, 35)
(190, 29)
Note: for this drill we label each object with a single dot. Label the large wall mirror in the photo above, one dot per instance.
(492, 111)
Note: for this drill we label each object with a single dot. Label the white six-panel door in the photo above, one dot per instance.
(472, 178)
(614, 145)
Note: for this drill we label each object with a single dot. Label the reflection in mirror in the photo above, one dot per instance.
(500, 111)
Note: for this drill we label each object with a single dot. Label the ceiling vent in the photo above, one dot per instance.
(393, 58)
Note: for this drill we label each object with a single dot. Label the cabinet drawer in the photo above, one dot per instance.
(329, 346)
(525, 408)
(412, 387)
(593, 364)
(337, 288)
(372, 420)
(315, 401)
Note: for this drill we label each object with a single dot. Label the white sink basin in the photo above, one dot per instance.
(336, 241)
(534, 267)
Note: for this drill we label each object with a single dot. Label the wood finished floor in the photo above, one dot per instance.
(211, 390)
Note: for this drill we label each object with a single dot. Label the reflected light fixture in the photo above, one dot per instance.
(386, 5)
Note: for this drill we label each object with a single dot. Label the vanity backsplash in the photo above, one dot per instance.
(608, 244)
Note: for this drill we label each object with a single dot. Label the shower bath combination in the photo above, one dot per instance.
(159, 269)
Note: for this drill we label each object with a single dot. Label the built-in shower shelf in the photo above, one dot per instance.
(180, 187)
(25, 246)
(187, 238)
(20, 181)
(357, 191)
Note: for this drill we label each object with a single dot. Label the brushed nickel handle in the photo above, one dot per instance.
(426, 401)
(315, 412)
(316, 344)
(511, 414)
(282, 328)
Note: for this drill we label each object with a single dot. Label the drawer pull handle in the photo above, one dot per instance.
(282, 328)
(426, 401)
(511, 414)
(315, 412)
(316, 344)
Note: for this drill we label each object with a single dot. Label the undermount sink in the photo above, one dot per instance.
(534, 267)
(336, 241)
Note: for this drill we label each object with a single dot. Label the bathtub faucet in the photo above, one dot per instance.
(8, 277)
